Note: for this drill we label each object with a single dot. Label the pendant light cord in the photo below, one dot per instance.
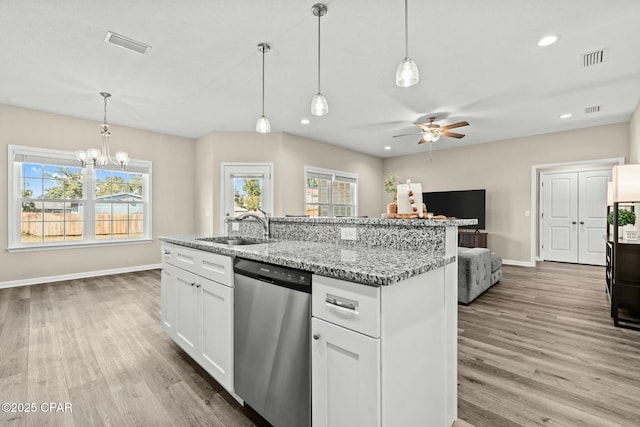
(319, 15)
(263, 49)
(406, 28)
(105, 111)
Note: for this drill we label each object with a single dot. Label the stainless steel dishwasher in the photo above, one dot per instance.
(272, 356)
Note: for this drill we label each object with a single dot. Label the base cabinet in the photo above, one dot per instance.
(197, 312)
(345, 377)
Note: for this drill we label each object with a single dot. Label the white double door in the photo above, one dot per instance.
(574, 216)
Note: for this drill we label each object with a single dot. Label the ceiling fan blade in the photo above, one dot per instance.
(422, 141)
(453, 126)
(452, 134)
(405, 134)
(423, 126)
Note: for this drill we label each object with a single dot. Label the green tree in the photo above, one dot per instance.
(111, 185)
(67, 187)
(253, 190)
(28, 206)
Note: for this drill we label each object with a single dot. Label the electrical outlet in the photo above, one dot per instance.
(348, 233)
(235, 226)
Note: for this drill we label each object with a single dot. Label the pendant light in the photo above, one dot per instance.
(407, 72)
(263, 125)
(319, 105)
(101, 157)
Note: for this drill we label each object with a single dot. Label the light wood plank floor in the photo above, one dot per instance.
(539, 348)
(536, 349)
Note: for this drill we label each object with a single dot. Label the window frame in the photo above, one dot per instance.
(335, 175)
(14, 200)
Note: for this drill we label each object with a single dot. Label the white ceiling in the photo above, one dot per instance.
(478, 62)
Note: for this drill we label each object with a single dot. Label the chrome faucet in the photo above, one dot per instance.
(264, 220)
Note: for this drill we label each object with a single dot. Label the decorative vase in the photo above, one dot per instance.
(392, 208)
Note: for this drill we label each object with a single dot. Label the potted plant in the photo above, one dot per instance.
(391, 186)
(625, 217)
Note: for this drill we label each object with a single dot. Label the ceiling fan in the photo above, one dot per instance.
(431, 131)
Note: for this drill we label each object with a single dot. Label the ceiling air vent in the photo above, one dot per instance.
(127, 43)
(594, 109)
(593, 58)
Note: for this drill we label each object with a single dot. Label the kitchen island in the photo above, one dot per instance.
(391, 359)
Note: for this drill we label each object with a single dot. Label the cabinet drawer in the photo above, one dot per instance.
(166, 254)
(352, 305)
(206, 264)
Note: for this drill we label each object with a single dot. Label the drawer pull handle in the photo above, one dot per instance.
(198, 286)
(340, 304)
(166, 252)
(193, 283)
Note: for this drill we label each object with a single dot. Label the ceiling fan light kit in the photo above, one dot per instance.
(319, 104)
(263, 125)
(407, 73)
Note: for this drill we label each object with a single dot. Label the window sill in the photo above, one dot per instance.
(75, 245)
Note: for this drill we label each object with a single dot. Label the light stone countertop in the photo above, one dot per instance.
(378, 221)
(360, 264)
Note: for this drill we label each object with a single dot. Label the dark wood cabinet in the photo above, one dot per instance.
(472, 239)
(623, 278)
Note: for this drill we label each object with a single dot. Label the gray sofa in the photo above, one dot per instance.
(478, 270)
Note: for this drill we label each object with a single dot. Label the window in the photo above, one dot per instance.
(330, 193)
(54, 202)
(246, 187)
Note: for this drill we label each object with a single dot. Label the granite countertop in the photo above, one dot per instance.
(360, 264)
(378, 221)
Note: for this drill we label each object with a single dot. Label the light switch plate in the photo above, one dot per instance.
(348, 233)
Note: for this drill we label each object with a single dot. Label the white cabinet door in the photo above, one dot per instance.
(215, 306)
(168, 300)
(187, 322)
(345, 377)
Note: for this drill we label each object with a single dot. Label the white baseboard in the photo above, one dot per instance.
(517, 263)
(83, 275)
(539, 259)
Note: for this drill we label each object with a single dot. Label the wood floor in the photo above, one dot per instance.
(539, 348)
(536, 349)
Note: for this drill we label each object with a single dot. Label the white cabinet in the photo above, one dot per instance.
(345, 377)
(197, 308)
(382, 356)
(168, 308)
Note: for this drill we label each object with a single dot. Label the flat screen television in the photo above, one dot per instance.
(461, 204)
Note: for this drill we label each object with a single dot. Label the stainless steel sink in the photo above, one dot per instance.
(234, 241)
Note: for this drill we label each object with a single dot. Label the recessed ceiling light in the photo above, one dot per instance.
(565, 116)
(387, 148)
(305, 121)
(547, 40)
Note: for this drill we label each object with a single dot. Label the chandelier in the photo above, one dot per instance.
(101, 157)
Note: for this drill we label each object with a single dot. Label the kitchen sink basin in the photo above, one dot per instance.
(234, 241)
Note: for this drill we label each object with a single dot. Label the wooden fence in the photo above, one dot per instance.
(70, 224)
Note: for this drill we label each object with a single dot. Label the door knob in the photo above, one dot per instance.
(316, 336)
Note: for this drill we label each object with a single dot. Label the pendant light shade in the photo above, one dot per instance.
(263, 125)
(407, 72)
(319, 104)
